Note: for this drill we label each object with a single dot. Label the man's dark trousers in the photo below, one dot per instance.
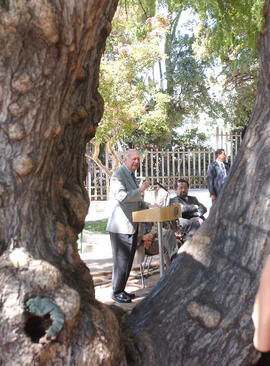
(123, 251)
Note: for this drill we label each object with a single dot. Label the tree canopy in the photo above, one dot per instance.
(228, 33)
(132, 101)
(155, 71)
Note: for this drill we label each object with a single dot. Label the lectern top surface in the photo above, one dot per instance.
(160, 214)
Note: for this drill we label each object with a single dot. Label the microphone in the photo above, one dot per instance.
(161, 186)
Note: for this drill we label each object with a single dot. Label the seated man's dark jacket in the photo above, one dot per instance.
(188, 207)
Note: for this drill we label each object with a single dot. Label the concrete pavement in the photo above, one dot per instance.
(98, 257)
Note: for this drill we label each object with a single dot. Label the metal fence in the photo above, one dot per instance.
(165, 166)
(229, 142)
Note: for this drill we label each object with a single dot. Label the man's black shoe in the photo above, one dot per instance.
(132, 296)
(122, 297)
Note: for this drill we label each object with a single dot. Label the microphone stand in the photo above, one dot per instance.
(161, 186)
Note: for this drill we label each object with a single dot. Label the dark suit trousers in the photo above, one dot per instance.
(123, 251)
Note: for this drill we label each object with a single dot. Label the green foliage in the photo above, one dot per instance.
(191, 85)
(186, 74)
(146, 8)
(153, 121)
(191, 139)
(240, 91)
(229, 27)
(138, 112)
(228, 31)
(132, 101)
(98, 226)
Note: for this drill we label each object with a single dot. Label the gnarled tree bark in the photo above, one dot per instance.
(50, 107)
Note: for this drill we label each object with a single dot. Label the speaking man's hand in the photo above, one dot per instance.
(144, 186)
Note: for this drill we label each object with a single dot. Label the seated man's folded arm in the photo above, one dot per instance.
(201, 208)
(188, 209)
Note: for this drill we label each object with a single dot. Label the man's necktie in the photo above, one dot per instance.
(135, 180)
(223, 172)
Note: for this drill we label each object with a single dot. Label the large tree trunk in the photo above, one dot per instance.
(50, 107)
(200, 312)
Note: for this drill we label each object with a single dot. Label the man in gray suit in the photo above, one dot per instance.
(217, 173)
(192, 210)
(126, 197)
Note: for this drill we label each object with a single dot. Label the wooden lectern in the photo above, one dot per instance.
(159, 215)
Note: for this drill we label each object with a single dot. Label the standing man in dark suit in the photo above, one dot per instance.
(217, 173)
(192, 210)
(126, 197)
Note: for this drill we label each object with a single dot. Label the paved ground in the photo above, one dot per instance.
(98, 258)
(96, 253)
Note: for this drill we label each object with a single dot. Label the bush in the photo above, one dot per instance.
(98, 226)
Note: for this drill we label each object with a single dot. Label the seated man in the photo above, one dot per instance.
(148, 243)
(192, 209)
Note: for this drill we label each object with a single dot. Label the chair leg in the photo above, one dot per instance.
(142, 274)
(149, 264)
(167, 259)
(142, 269)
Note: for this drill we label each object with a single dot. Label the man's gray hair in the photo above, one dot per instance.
(128, 152)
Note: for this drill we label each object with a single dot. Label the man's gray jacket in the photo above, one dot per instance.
(125, 198)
